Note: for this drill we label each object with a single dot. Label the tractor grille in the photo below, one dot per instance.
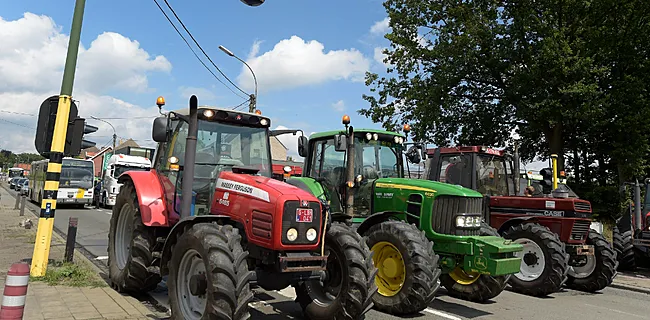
(262, 224)
(582, 206)
(580, 230)
(445, 209)
(289, 221)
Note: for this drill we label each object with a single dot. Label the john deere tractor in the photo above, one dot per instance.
(421, 232)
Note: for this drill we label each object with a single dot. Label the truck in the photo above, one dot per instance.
(554, 228)
(422, 233)
(216, 223)
(115, 167)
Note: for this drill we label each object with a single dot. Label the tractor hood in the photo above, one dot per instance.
(259, 187)
(426, 186)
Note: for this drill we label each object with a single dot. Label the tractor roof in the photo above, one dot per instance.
(361, 130)
(469, 149)
(186, 111)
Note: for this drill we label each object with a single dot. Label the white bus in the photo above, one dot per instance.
(15, 173)
(75, 182)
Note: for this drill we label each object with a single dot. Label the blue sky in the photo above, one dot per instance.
(337, 25)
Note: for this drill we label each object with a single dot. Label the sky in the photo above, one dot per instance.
(309, 58)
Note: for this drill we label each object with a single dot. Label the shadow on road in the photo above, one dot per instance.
(460, 309)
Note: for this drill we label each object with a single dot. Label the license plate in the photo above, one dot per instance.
(304, 215)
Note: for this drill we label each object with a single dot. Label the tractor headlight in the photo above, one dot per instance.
(375, 136)
(292, 234)
(369, 136)
(468, 221)
(311, 234)
(396, 139)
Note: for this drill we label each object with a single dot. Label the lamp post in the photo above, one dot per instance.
(253, 97)
(104, 155)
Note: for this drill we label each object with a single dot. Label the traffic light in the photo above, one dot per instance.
(75, 142)
(547, 180)
(45, 125)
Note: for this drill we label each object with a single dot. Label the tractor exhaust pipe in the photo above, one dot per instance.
(516, 169)
(190, 157)
(638, 223)
(349, 173)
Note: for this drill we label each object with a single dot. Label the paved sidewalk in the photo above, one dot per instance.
(58, 302)
(638, 281)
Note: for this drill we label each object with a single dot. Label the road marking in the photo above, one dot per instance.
(618, 311)
(102, 258)
(442, 314)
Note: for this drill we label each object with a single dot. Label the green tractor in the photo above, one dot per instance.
(422, 233)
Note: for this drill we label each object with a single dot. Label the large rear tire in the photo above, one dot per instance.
(208, 274)
(408, 276)
(624, 250)
(130, 246)
(600, 270)
(475, 287)
(346, 293)
(544, 263)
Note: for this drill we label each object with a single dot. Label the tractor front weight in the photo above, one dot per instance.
(485, 255)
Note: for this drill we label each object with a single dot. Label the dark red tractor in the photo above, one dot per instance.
(554, 228)
(209, 215)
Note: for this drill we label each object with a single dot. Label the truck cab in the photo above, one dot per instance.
(117, 165)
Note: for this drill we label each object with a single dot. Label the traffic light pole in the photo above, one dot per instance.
(48, 206)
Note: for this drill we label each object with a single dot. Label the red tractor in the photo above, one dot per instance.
(553, 227)
(209, 215)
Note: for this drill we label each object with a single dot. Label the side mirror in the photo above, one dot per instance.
(413, 156)
(302, 146)
(159, 131)
(340, 142)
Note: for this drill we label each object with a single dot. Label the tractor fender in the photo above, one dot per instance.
(150, 197)
(513, 222)
(375, 219)
(179, 228)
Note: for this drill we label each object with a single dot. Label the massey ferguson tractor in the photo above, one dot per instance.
(559, 247)
(632, 231)
(421, 233)
(209, 215)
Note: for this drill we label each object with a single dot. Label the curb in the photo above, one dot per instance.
(630, 288)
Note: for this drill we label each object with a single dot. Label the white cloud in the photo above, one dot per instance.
(32, 57)
(380, 27)
(291, 142)
(202, 93)
(294, 63)
(339, 105)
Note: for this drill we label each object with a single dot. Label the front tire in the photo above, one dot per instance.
(208, 274)
(347, 292)
(475, 287)
(544, 263)
(408, 276)
(130, 246)
(600, 270)
(624, 250)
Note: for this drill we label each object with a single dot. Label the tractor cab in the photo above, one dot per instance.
(487, 170)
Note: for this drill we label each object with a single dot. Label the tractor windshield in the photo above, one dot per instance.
(491, 175)
(377, 159)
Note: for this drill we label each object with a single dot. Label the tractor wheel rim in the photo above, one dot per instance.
(392, 270)
(532, 260)
(584, 271)
(123, 235)
(464, 277)
(191, 306)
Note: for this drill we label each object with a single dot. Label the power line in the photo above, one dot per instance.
(240, 105)
(17, 124)
(195, 54)
(200, 48)
(21, 113)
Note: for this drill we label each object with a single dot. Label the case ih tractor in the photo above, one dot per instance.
(416, 229)
(632, 231)
(559, 247)
(209, 215)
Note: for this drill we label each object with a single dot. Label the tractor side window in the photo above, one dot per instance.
(456, 169)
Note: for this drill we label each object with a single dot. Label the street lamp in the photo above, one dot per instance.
(253, 97)
(253, 3)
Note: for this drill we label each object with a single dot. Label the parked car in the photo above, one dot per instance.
(16, 183)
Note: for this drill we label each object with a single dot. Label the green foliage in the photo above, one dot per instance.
(570, 77)
(75, 275)
(8, 158)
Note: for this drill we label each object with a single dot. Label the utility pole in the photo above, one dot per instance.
(48, 206)
(253, 102)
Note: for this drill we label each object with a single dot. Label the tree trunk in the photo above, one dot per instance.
(576, 164)
(556, 144)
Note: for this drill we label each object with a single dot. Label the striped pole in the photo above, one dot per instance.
(13, 298)
(48, 206)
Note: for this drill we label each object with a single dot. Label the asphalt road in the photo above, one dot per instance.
(610, 304)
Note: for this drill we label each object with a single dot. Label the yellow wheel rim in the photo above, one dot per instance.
(465, 278)
(392, 271)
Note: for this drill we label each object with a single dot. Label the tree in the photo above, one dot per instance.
(475, 71)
